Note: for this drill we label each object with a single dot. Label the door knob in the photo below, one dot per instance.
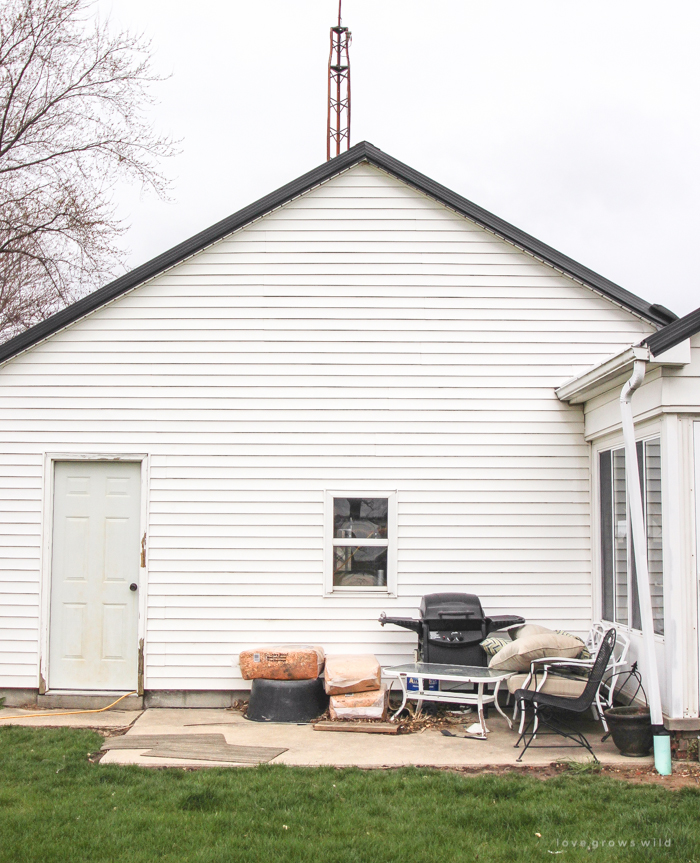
(133, 586)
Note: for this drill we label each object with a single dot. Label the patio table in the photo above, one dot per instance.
(478, 675)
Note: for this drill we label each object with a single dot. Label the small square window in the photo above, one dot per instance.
(361, 542)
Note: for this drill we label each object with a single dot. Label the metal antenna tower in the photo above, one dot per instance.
(338, 89)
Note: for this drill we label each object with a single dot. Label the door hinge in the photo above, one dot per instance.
(139, 685)
(143, 551)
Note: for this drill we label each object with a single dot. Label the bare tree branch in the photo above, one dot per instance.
(73, 100)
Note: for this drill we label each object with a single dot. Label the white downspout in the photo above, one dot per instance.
(639, 539)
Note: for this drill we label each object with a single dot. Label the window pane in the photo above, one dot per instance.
(360, 517)
(359, 566)
(620, 533)
(606, 534)
(652, 471)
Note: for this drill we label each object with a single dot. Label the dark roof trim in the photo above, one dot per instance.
(674, 333)
(360, 152)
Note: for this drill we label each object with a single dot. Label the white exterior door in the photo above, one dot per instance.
(93, 629)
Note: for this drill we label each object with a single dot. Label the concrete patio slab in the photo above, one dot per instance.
(306, 747)
(110, 719)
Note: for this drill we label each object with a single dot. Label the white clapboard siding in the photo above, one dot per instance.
(362, 337)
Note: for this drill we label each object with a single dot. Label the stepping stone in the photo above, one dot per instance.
(146, 741)
(199, 747)
(364, 727)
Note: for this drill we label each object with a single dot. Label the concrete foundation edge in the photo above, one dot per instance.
(30, 699)
(689, 724)
(87, 702)
(193, 698)
(19, 697)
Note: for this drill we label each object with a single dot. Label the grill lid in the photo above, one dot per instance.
(452, 611)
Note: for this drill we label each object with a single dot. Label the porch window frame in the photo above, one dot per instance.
(330, 542)
(611, 445)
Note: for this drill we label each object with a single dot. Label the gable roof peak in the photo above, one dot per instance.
(364, 151)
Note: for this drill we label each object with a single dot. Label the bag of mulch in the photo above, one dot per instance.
(288, 662)
(359, 672)
(360, 705)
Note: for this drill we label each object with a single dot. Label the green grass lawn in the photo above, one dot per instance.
(56, 806)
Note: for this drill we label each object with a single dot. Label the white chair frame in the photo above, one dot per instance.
(606, 690)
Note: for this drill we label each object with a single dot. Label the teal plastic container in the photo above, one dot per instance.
(662, 754)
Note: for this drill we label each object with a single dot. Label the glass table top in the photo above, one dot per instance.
(434, 669)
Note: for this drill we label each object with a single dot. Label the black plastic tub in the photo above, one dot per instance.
(287, 700)
(631, 730)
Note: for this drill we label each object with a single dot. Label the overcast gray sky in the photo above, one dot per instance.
(579, 122)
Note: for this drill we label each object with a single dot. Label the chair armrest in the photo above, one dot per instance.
(577, 667)
(561, 660)
(578, 663)
(617, 666)
(542, 666)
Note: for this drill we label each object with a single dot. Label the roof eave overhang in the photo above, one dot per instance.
(583, 387)
(600, 378)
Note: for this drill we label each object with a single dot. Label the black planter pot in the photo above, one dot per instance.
(630, 728)
(287, 700)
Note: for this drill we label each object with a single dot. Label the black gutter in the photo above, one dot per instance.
(363, 151)
(674, 333)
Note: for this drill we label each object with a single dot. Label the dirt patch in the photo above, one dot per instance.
(440, 717)
(685, 775)
(408, 723)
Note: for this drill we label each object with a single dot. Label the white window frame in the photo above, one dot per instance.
(391, 543)
(610, 445)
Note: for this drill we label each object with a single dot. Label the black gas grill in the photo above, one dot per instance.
(450, 627)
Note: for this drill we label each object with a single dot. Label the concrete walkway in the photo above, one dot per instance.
(33, 718)
(306, 747)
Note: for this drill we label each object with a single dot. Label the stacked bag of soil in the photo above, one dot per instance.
(354, 684)
(289, 662)
(287, 685)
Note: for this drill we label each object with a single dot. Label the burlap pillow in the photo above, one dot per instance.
(518, 655)
(528, 629)
(585, 653)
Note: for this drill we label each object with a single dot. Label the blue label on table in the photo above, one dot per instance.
(429, 685)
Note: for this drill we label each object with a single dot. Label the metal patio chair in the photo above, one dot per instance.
(580, 668)
(547, 709)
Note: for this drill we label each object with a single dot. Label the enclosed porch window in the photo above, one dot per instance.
(620, 603)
